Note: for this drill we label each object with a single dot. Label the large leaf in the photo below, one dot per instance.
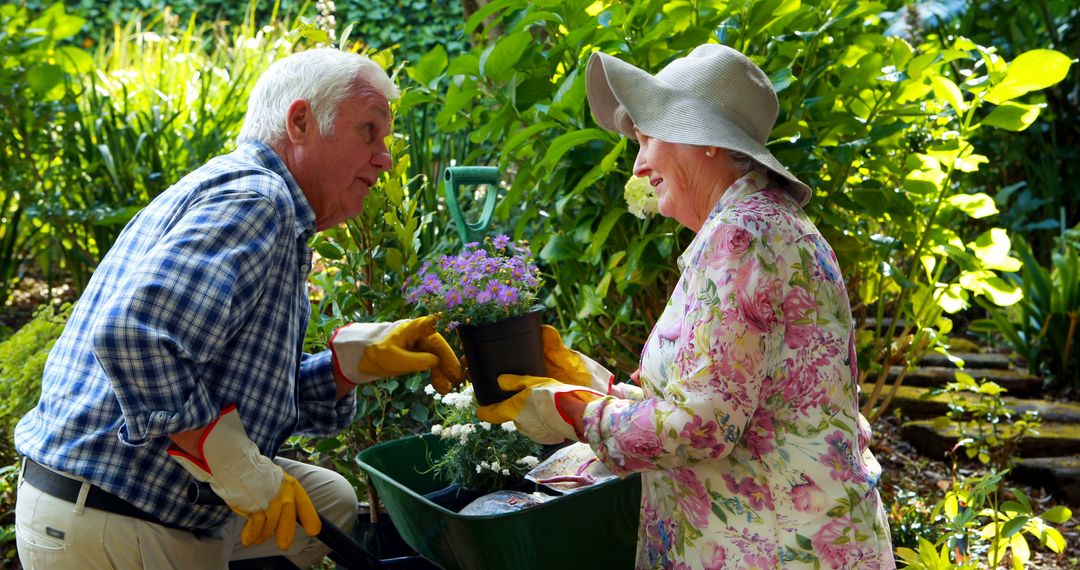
(1030, 71)
(992, 249)
(430, 66)
(1012, 116)
(498, 60)
(561, 145)
(945, 89)
(975, 205)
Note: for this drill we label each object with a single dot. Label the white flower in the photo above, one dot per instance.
(640, 197)
(508, 426)
(437, 429)
(478, 468)
(506, 472)
(528, 461)
(429, 389)
(486, 426)
(495, 466)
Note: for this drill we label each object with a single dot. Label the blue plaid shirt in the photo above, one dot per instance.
(201, 303)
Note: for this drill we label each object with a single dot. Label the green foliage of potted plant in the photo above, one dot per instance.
(487, 293)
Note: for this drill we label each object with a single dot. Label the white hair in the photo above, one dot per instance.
(323, 77)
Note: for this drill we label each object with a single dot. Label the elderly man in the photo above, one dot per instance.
(183, 359)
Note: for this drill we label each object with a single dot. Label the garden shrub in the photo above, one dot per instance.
(22, 361)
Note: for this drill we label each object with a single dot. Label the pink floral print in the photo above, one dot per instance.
(747, 433)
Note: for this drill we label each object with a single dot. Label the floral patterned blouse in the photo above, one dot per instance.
(747, 431)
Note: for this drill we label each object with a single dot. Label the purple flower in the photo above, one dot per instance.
(501, 241)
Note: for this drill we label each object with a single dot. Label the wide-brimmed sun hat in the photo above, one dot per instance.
(715, 96)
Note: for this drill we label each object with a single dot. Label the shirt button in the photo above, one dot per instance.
(305, 268)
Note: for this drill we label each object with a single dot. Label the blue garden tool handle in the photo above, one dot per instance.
(456, 176)
(343, 549)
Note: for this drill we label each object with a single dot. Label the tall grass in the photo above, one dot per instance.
(161, 97)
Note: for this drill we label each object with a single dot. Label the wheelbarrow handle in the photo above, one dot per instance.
(343, 549)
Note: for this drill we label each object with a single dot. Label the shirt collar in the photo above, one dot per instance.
(753, 181)
(266, 157)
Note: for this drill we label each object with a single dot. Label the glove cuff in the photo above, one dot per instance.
(350, 342)
(583, 395)
(233, 465)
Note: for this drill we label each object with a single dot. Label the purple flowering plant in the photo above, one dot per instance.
(487, 282)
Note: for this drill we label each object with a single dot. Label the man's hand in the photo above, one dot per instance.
(366, 351)
(249, 483)
(540, 408)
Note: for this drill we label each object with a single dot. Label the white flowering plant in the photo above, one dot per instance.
(479, 455)
(640, 197)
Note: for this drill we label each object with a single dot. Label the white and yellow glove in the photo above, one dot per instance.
(572, 367)
(250, 483)
(364, 352)
(537, 407)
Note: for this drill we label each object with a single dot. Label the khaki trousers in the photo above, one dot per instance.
(53, 534)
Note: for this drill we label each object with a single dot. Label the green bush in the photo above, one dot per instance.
(1043, 327)
(22, 360)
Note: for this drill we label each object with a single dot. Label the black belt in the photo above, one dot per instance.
(66, 488)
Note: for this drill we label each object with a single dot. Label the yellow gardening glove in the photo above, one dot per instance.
(536, 407)
(572, 367)
(367, 351)
(291, 506)
(252, 485)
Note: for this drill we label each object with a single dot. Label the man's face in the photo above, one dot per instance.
(336, 170)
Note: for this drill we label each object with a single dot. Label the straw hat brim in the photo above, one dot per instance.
(671, 114)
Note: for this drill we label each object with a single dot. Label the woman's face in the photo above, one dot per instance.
(688, 181)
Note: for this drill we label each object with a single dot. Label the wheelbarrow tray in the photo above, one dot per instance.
(589, 529)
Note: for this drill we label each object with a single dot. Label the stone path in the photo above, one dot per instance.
(1050, 459)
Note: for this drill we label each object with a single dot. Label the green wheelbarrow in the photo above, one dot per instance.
(592, 528)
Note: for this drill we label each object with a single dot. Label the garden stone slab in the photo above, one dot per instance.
(971, 360)
(910, 400)
(1060, 476)
(1053, 439)
(1017, 383)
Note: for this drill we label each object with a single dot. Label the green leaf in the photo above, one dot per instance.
(499, 58)
(563, 143)
(975, 205)
(602, 231)
(1057, 515)
(330, 250)
(394, 259)
(992, 250)
(74, 60)
(559, 248)
(924, 181)
(429, 68)
(464, 64)
(1012, 116)
(1053, 539)
(945, 89)
(57, 23)
(47, 80)
(328, 444)
(782, 79)
(525, 134)
(1030, 71)
(1000, 292)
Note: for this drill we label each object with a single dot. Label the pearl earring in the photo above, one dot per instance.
(710, 153)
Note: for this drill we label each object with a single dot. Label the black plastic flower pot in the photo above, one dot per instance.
(509, 346)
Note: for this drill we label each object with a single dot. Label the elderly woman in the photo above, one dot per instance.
(746, 427)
